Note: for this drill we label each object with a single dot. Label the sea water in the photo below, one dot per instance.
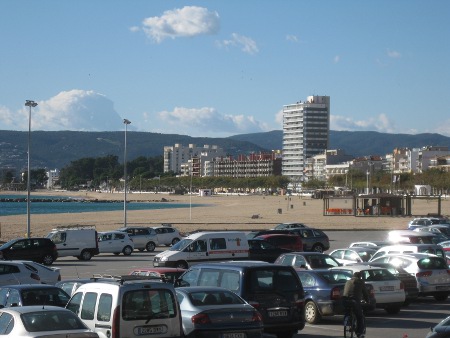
(77, 205)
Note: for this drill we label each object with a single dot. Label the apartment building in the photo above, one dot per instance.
(306, 128)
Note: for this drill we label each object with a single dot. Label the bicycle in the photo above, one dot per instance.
(350, 323)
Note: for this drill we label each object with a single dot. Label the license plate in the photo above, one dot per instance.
(277, 313)
(387, 288)
(144, 330)
(233, 335)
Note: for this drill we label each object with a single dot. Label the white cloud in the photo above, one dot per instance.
(291, 38)
(336, 59)
(379, 123)
(188, 21)
(207, 121)
(246, 44)
(135, 29)
(69, 110)
(394, 54)
(443, 128)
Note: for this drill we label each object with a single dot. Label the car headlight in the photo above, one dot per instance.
(164, 259)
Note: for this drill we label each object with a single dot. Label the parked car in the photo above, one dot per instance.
(439, 229)
(441, 330)
(32, 294)
(167, 235)
(16, 272)
(323, 293)
(307, 260)
(275, 290)
(144, 238)
(40, 321)
(283, 226)
(47, 274)
(408, 279)
(128, 307)
(71, 285)
(434, 249)
(36, 249)
(431, 272)
(413, 237)
(76, 241)
(262, 250)
(426, 221)
(285, 241)
(389, 291)
(353, 255)
(115, 242)
(445, 245)
(313, 239)
(168, 274)
(217, 312)
(371, 244)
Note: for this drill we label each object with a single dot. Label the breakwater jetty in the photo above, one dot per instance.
(75, 200)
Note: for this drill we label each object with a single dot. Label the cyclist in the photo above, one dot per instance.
(354, 292)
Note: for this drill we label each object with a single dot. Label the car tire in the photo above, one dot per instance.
(127, 250)
(85, 255)
(181, 265)
(441, 296)
(175, 241)
(312, 315)
(317, 248)
(150, 246)
(47, 260)
(392, 310)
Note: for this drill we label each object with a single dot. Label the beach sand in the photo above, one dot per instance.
(218, 212)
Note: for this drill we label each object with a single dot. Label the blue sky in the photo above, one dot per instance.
(225, 67)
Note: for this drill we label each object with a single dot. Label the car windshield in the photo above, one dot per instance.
(335, 277)
(205, 298)
(181, 245)
(52, 321)
(377, 275)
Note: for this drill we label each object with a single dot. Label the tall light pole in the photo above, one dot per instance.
(29, 103)
(367, 173)
(126, 123)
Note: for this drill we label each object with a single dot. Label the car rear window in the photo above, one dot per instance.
(281, 280)
(148, 304)
(432, 263)
(378, 275)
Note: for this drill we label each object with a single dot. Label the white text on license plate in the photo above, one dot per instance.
(233, 335)
(144, 330)
(277, 313)
(387, 288)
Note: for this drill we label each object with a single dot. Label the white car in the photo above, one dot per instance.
(388, 290)
(115, 242)
(431, 272)
(42, 321)
(48, 275)
(12, 272)
(167, 235)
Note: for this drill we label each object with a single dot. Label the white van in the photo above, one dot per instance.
(434, 249)
(204, 247)
(77, 241)
(122, 307)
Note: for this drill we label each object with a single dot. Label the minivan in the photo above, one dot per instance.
(274, 290)
(128, 307)
(206, 246)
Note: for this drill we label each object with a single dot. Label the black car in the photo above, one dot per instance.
(262, 250)
(307, 260)
(32, 294)
(36, 249)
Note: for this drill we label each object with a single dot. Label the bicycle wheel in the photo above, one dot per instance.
(349, 326)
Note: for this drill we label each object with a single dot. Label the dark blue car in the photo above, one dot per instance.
(323, 293)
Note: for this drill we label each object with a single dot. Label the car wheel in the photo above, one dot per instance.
(175, 241)
(85, 255)
(392, 310)
(150, 246)
(441, 297)
(47, 260)
(312, 315)
(317, 248)
(181, 265)
(127, 250)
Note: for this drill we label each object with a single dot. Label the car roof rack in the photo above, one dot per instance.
(121, 279)
(74, 226)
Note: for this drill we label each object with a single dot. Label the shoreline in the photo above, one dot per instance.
(217, 212)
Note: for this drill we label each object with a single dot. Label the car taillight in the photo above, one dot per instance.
(424, 274)
(200, 318)
(448, 271)
(402, 286)
(254, 304)
(300, 303)
(35, 277)
(335, 293)
(116, 323)
(59, 278)
(257, 317)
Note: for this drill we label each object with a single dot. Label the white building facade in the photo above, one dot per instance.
(306, 127)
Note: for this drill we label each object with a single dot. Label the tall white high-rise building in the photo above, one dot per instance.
(306, 128)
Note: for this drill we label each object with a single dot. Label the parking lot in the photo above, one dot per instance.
(413, 321)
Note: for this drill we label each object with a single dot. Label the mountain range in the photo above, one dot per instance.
(56, 149)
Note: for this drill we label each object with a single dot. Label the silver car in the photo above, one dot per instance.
(40, 321)
(144, 238)
(216, 312)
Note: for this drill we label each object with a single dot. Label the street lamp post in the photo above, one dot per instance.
(367, 173)
(126, 123)
(29, 103)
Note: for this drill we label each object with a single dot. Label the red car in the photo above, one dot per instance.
(171, 274)
(285, 241)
